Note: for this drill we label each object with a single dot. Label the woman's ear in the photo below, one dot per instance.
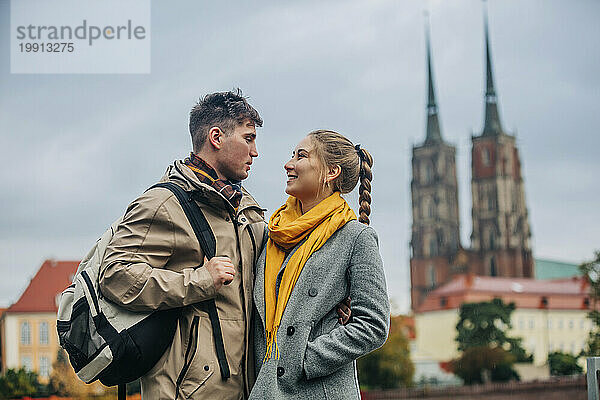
(333, 173)
(215, 134)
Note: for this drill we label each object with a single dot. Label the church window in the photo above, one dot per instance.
(493, 268)
(428, 172)
(431, 210)
(432, 248)
(485, 156)
(490, 202)
(431, 276)
(492, 239)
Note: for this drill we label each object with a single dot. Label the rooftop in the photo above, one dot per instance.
(50, 280)
(565, 293)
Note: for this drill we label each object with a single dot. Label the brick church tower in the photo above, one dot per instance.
(501, 235)
(435, 227)
(500, 240)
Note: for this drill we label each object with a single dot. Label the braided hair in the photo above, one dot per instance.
(355, 164)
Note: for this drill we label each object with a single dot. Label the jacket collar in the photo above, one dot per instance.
(179, 173)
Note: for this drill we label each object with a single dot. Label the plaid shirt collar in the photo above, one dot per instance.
(206, 174)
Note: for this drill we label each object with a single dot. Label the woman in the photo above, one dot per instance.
(318, 254)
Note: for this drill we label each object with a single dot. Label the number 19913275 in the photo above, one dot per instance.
(58, 47)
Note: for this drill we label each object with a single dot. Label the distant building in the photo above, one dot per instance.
(500, 239)
(28, 327)
(550, 269)
(549, 316)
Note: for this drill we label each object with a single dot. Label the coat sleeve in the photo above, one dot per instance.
(132, 273)
(368, 329)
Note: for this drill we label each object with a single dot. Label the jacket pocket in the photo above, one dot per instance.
(198, 364)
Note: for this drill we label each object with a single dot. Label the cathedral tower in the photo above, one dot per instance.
(435, 223)
(501, 235)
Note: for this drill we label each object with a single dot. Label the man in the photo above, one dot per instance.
(152, 261)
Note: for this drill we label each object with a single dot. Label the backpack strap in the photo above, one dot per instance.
(207, 241)
(122, 392)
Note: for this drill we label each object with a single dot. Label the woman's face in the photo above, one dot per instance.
(304, 172)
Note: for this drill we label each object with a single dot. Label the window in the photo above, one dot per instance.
(490, 202)
(43, 333)
(551, 347)
(485, 156)
(571, 324)
(560, 324)
(521, 323)
(431, 210)
(44, 367)
(443, 301)
(492, 239)
(531, 323)
(549, 323)
(581, 324)
(428, 173)
(431, 276)
(432, 248)
(493, 269)
(26, 363)
(25, 333)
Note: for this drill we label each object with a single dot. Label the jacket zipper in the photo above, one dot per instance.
(193, 343)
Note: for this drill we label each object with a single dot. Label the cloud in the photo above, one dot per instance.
(77, 148)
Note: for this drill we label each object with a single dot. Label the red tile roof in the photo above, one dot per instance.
(565, 293)
(50, 280)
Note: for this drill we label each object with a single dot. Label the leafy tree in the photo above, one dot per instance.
(591, 270)
(389, 366)
(18, 383)
(563, 364)
(480, 364)
(486, 324)
(488, 353)
(65, 382)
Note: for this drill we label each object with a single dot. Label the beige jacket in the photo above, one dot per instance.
(152, 263)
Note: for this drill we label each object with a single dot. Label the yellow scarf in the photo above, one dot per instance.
(288, 227)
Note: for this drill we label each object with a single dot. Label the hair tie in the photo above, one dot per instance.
(357, 148)
(361, 173)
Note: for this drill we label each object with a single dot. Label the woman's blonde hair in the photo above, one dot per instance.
(355, 163)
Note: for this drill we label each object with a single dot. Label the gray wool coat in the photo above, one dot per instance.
(316, 354)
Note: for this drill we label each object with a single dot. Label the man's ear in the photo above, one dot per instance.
(333, 173)
(215, 136)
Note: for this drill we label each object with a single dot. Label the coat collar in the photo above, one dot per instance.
(178, 172)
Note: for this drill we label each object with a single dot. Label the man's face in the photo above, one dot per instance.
(237, 151)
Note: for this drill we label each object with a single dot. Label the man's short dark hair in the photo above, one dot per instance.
(222, 109)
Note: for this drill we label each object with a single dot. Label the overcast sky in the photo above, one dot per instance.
(76, 149)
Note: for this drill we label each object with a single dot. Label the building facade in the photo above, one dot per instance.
(28, 327)
(549, 316)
